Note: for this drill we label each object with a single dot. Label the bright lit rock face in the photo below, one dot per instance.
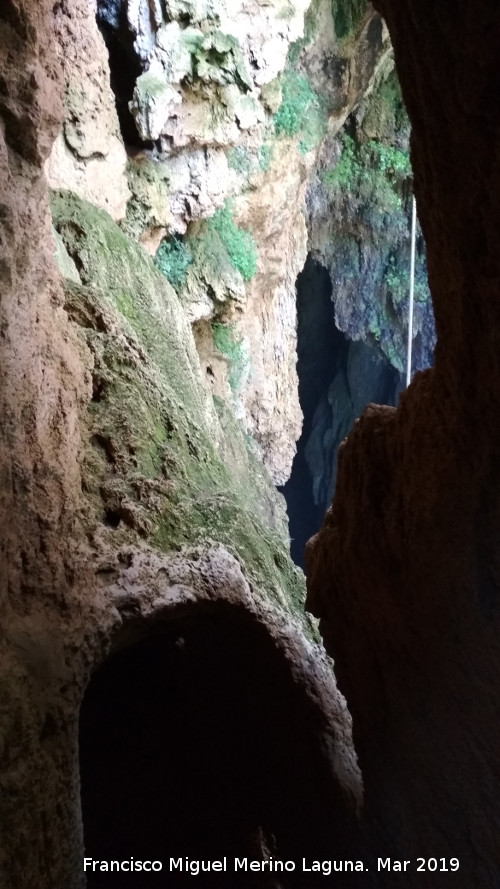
(88, 156)
(404, 572)
(203, 124)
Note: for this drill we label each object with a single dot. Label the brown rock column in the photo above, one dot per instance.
(41, 384)
(405, 572)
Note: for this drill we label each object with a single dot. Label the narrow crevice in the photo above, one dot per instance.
(125, 67)
(321, 349)
(337, 379)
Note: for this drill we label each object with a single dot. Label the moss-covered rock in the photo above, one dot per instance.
(361, 226)
(149, 207)
(347, 15)
(164, 463)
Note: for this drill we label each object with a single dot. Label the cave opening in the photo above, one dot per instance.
(124, 67)
(337, 379)
(197, 741)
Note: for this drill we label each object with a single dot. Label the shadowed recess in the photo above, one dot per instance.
(198, 742)
(337, 379)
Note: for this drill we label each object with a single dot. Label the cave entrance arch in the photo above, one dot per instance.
(197, 741)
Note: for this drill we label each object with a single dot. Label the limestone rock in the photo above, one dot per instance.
(101, 180)
(199, 184)
(145, 18)
(404, 572)
(88, 156)
(273, 214)
(65, 264)
(360, 228)
(216, 70)
(154, 103)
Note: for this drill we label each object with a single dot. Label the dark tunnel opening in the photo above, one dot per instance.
(337, 379)
(124, 66)
(198, 742)
(321, 348)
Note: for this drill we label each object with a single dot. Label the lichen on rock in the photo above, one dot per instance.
(201, 82)
(164, 463)
(359, 204)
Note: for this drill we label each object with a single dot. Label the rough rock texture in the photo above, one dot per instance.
(271, 207)
(405, 571)
(127, 492)
(205, 726)
(199, 107)
(43, 384)
(341, 54)
(155, 433)
(359, 220)
(88, 155)
(269, 320)
(202, 82)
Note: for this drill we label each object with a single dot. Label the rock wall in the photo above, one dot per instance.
(130, 497)
(359, 204)
(404, 572)
(353, 296)
(221, 112)
(88, 155)
(44, 385)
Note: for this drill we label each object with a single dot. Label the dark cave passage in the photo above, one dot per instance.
(198, 742)
(124, 66)
(337, 379)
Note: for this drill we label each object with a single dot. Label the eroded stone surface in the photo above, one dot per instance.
(88, 156)
(207, 95)
(404, 572)
(44, 382)
(213, 69)
(84, 501)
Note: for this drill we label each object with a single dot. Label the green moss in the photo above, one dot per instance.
(126, 277)
(218, 58)
(373, 171)
(210, 257)
(239, 159)
(149, 86)
(298, 101)
(368, 192)
(148, 205)
(171, 467)
(265, 157)
(347, 15)
(125, 304)
(385, 115)
(239, 244)
(173, 259)
(301, 112)
(219, 249)
(247, 163)
(229, 342)
(397, 279)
